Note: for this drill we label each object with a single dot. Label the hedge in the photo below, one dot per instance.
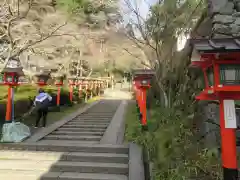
(25, 95)
(171, 149)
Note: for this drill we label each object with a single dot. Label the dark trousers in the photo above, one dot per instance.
(42, 113)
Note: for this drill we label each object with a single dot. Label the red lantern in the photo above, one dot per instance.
(42, 77)
(12, 71)
(85, 83)
(219, 61)
(79, 87)
(71, 82)
(142, 79)
(59, 81)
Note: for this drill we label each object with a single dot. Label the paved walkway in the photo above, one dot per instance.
(87, 145)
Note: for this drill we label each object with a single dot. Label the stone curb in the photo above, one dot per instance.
(44, 132)
(136, 166)
(115, 131)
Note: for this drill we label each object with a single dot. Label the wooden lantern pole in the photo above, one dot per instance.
(99, 88)
(58, 95)
(91, 89)
(71, 92)
(80, 89)
(86, 97)
(9, 105)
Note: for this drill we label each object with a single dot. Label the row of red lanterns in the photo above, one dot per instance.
(13, 71)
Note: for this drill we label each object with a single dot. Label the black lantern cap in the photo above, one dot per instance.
(143, 72)
(46, 73)
(58, 76)
(216, 45)
(43, 74)
(72, 77)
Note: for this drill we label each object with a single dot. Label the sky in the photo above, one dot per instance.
(142, 5)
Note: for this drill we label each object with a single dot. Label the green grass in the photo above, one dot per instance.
(133, 128)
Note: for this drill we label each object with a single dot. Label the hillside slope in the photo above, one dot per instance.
(55, 37)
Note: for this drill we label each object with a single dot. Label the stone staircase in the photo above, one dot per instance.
(65, 162)
(71, 152)
(89, 127)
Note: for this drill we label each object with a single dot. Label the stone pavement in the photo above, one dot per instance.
(85, 146)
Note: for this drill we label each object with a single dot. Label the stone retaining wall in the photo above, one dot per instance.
(225, 17)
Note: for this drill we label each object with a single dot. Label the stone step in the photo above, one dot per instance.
(68, 137)
(95, 115)
(65, 166)
(90, 121)
(82, 129)
(77, 133)
(64, 156)
(70, 141)
(79, 123)
(85, 126)
(37, 175)
(100, 115)
(93, 119)
(102, 109)
(91, 176)
(66, 146)
(104, 112)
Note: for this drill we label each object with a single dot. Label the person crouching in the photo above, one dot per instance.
(41, 103)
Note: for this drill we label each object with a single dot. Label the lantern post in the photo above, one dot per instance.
(142, 77)
(80, 87)
(12, 71)
(71, 83)
(94, 84)
(107, 83)
(91, 86)
(59, 83)
(219, 60)
(85, 84)
(97, 86)
(100, 88)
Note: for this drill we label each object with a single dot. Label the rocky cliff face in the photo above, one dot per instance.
(225, 17)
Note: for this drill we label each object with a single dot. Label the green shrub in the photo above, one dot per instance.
(172, 147)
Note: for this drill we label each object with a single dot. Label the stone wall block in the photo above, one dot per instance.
(236, 14)
(216, 5)
(216, 35)
(238, 6)
(237, 22)
(235, 29)
(228, 9)
(222, 29)
(223, 19)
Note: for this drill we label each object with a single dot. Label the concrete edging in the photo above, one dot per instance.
(44, 132)
(115, 131)
(136, 165)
